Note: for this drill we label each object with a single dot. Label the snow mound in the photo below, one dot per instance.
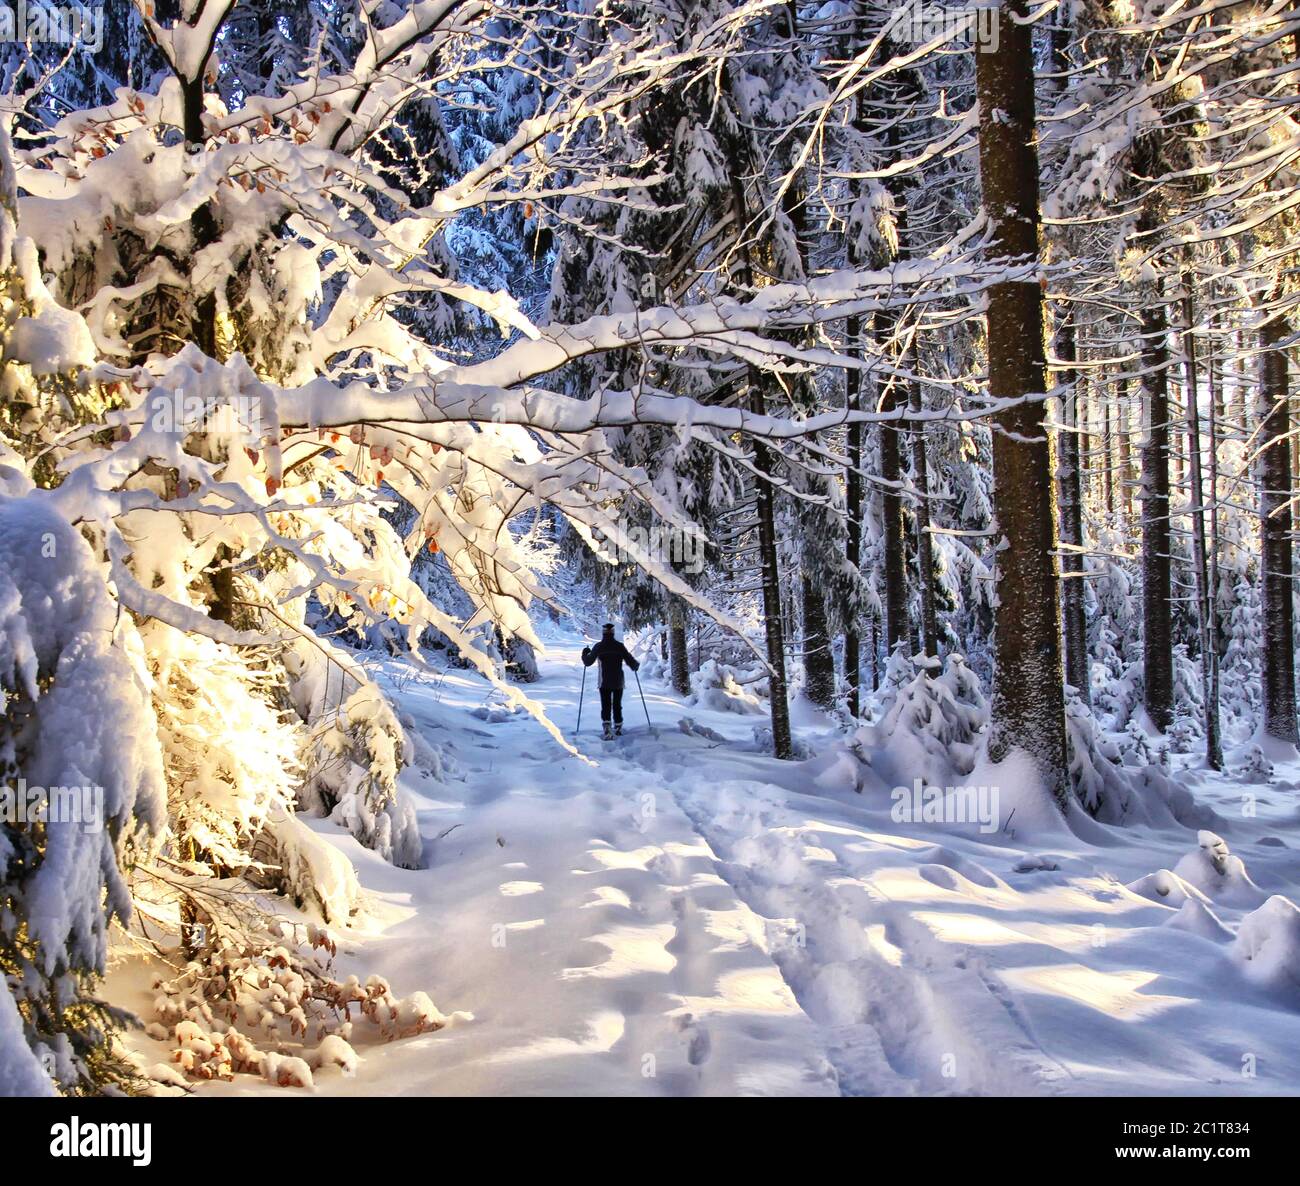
(334, 1051)
(1165, 887)
(286, 1071)
(1196, 918)
(1268, 945)
(692, 729)
(492, 714)
(1033, 862)
(1219, 875)
(1025, 807)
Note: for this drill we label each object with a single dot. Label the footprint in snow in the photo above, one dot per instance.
(699, 1044)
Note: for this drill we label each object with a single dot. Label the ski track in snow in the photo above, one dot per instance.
(688, 917)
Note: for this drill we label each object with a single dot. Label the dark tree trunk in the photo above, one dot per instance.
(782, 745)
(1028, 697)
(818, 660)
(853, 519)
(891, 506)
(1069, 474)
(1204, 597)
(896, 93)
(875, 653)
(1107, 453)
(1126, 477)
(1157, 648)
(1274, 469)
(1214, 419)
(924, 540)
(678, 662)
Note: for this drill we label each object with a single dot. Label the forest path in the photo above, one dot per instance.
(686, 916)
(689, 916)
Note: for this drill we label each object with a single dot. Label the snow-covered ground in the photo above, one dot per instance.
(689, 916)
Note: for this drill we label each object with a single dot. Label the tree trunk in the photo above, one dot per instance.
(1126, 477)
(203, 329)
(1028, 697)
(875, 653)
(1107, 453)
(853, 517)
(1214, 418)
(818, 661)
(765, 500)
(1204, 598)
(924, 540)
(1157, 643)
(679, 666)
(1274, 470)
(891, 506)
(1070, 477)
(782, 745)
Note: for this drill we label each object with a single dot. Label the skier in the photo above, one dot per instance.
(612, 655)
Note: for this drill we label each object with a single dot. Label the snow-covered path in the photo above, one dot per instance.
(689, 916)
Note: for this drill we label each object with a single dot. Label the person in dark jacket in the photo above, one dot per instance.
(611, 655)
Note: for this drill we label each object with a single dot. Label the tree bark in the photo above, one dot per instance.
(818, 661)
(1157, 640)
(1028, 696)
(678, 662)
(1127, 478)
(853, 517)
(1069, 475)
(1204, 598)
(924, 540)
(1274, 470)
(782, 744)
(891, 506)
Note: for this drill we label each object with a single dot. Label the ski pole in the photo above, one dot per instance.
(581, 693)
(648, 725)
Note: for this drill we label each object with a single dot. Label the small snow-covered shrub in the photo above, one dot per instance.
(1196, 918)
(799, 749)
(310, 870)
(355, 752)
(1112, 782)
(1189, 703)
(933, 727)
(715, 686)
(1096, 763)
(1241, 668)
(353, 762)
(1254, 765)
(221, 790)
(653, 667)
(258, 1006)
(1118, 698)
